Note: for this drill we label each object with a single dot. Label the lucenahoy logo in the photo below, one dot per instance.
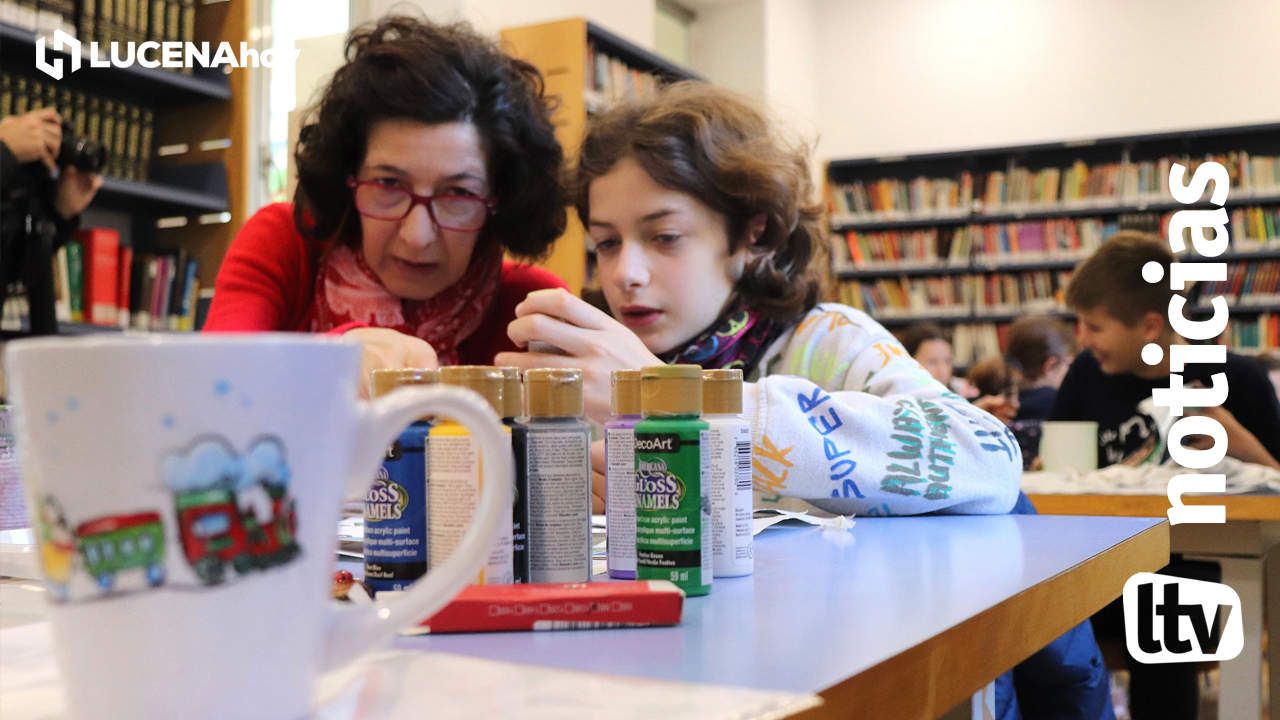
(149, 54)
(657, 489)
(385, 500)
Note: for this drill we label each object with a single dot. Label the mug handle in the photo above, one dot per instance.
(354, 630)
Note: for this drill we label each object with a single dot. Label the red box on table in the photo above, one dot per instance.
(556, 606)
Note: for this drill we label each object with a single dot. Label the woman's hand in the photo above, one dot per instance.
(384, 348)
(590, 339)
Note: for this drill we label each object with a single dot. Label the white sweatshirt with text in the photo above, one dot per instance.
(844, 419)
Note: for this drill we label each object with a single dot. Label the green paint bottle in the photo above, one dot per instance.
(673, 507)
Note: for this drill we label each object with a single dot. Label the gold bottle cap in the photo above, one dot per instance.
(626, 392)
(554, 392)
(671, 390)
(484, 379)
(387, 379)
(722, 392)
(512, 392)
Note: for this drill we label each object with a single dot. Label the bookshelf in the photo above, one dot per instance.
(976, 238)
(586, 67)
(186, 191)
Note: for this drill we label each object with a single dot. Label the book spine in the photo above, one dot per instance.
(61, 286)
(75, 280)
(123, 299)
(101, 257)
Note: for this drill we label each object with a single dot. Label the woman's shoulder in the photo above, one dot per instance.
(273, 222)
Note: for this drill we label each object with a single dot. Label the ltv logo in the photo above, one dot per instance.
(1172, 620)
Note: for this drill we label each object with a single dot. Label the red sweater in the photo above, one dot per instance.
(267, 277)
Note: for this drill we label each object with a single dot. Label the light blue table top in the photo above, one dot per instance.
(823, 607)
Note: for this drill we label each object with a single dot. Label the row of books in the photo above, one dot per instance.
(105, 21)
(973, 342)
(99, 281)
(1251, 228)
(611, 79)
(961, 245)
(1019, 188)
(125, 130)
(958, 295)
(1256, 333)
(1252, 283)
(42, 18)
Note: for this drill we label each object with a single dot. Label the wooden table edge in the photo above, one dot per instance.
(1239, 507)
(921, 682)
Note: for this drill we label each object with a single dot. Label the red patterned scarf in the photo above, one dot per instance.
(347, 290)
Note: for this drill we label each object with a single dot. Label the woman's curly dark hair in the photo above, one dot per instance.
(402, 67)
(714, 145)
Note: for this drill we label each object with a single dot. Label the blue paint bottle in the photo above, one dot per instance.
(395, 507)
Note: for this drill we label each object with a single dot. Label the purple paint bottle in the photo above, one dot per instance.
(620, 474)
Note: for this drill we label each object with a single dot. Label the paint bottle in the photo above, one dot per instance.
(512, 416)
(673, 508)
(395, 506)
(620, 473)
(729, 473)
(558, 464)
(454, 477)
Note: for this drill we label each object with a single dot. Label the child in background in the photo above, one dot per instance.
(931, 347)
(1118, 314)
(709, 252)
(997, 388)
(1039, 350)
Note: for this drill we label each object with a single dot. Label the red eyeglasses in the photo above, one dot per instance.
(465, 213)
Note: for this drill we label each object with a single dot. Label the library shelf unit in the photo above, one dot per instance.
(192, 195)
(585, 67)
(927, 237)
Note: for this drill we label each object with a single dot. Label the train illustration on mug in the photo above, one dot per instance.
(105, 546)
(230, 510)
(233, 510)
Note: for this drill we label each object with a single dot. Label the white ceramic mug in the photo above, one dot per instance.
(1068, 445)
(185, 493)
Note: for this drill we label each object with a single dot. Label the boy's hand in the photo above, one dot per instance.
(1241, 444)
(589, 338)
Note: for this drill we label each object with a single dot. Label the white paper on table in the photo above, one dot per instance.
(766, 518)
(18, 554)
(399, 684)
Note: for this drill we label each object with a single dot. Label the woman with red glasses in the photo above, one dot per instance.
(431, 152)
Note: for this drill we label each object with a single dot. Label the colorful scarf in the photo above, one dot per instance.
(738, 339)
(347, 290)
